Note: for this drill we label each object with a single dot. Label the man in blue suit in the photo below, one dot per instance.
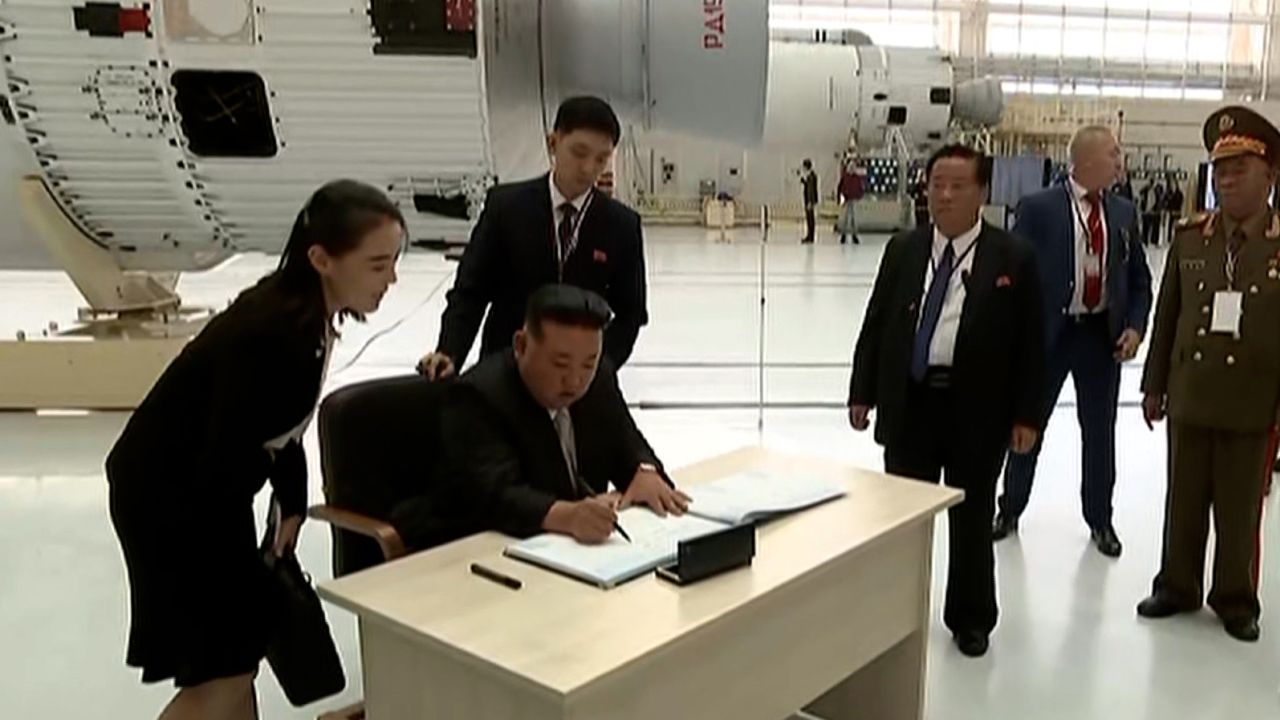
(1097, 288)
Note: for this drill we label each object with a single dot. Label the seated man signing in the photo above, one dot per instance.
(535, 435)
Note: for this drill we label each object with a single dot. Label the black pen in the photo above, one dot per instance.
(494, 575)
(616, 525)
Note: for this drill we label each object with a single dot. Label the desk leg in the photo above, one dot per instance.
(892, 686)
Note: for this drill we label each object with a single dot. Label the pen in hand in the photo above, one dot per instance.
(616, 525)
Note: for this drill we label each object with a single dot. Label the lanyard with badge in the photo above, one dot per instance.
(936, 263)
(1228, 305)
(562, 253)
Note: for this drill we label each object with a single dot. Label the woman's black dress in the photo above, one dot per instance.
(183, 476)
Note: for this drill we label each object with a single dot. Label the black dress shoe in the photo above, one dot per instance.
(1243, 629)
(972, 643)
(1107, 542)
(1160, 606)
(1005, 526)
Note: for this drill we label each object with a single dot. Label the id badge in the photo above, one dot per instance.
(1228, 307)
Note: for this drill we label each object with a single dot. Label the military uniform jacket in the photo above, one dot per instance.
(1217, 380)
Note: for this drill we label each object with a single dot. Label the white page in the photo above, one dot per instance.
(654, 542)
(757, 493)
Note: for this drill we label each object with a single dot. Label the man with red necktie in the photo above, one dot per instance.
(1097, 298)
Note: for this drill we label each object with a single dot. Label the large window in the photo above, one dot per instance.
(903, 24)
(1116, 39)
(1197, 32)
(1113, 88)
(1140, 48)
(1140, 5)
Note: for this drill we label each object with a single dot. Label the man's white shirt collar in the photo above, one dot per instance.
(558, 198)
(1078, 191)
(961, 244)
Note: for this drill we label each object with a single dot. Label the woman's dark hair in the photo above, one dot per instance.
(336, 217)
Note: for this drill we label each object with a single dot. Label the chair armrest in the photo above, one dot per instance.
(386, 536)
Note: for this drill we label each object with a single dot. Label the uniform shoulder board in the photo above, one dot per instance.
(1196, 220)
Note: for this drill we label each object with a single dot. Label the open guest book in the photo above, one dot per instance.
(717, 505)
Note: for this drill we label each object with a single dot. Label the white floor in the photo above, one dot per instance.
(1069, 645)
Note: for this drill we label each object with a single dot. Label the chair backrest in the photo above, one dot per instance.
(379, 445)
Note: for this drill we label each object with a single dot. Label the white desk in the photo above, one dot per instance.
(832, 616)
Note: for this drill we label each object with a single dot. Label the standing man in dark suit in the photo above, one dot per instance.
(534, 435)
(951, 354)
(1123, 187)
(1174, 202)
(1152, 209)
(809, 181)
(1097, 298)
(553, 229)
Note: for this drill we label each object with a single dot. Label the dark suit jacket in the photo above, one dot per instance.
(252, 375)
(999, 356)
(504, 468)
(810, 182)
(1046, 220)
(512, 252)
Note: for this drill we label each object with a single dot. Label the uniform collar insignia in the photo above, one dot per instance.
(1210, 223)
(1193, 220)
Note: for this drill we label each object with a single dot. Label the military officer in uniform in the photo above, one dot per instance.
(1214, 368)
